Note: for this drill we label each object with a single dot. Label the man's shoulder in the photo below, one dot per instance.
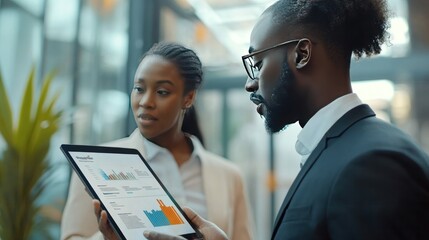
(373, 135)
(380, 129)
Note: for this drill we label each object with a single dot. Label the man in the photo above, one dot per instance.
(361, 178)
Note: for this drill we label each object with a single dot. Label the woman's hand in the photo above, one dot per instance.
(103, 223)
(209, 230)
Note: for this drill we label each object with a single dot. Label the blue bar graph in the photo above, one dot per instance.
(166, 216)
(104, 175)
(157, 218)
(117, 176)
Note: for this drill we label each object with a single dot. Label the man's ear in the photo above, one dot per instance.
(189, 99)
(303, 53)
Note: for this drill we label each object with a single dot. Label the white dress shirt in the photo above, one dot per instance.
(176, 179)
(321, 122)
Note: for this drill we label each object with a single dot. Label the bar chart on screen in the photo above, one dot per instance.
(164, 217)
(124, 183)
(115, 175)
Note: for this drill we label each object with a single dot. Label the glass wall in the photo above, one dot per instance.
(86, 43)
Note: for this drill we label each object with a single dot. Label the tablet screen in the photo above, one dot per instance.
(130, 193)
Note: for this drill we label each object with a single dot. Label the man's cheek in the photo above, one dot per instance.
(268, 80)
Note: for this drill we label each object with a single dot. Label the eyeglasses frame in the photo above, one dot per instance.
(244, 57)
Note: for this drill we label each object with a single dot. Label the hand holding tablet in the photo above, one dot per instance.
(129, 191)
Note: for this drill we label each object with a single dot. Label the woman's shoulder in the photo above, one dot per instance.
(213, 161)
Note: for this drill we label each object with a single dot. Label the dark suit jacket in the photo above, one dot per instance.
(365, 180)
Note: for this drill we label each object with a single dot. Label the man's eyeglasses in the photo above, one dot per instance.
(249, 64)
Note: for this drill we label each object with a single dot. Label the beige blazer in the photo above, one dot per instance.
(227, 204)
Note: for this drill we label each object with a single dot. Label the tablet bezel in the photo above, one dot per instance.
(67, 148)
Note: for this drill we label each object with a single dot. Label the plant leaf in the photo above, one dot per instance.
(6, 121)
(25, 124)
(24, 166)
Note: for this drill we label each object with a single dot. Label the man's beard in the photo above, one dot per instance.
(281, 104)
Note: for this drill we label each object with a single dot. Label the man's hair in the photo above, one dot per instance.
(185, 59)
(348, 26)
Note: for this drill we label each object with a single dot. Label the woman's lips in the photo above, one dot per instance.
(146, 119)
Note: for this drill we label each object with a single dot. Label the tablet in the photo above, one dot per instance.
(132, 195)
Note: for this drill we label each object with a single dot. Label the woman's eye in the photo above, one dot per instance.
(138, 89)
(163, 92)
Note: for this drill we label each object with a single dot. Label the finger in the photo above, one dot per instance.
(103, 224)
(208, 229)
(97, 208)
(194, 217)
(105, 228)
(160, 236)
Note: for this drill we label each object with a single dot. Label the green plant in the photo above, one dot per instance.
(24, 167)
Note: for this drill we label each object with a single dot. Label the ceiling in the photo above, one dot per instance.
(230, 21)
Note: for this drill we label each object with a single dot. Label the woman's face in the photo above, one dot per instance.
(158, 99)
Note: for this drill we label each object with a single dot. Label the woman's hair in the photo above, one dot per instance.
(185, 59)
(190, 68)
(190, 124)
(352, 26)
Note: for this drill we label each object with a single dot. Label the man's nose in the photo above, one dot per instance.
(251, 85)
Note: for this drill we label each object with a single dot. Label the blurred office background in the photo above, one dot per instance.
(96, 46)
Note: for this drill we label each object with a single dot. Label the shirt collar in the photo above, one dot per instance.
(322, 121)
(152, 150)
(198, 147)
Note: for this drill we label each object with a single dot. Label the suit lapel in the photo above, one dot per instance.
(313, 157)
(352, 116)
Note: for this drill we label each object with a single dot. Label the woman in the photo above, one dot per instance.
(165, 87)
